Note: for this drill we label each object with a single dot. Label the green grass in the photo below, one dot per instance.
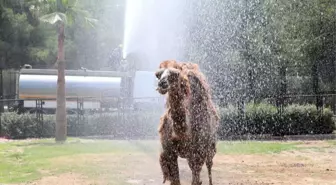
(23, 161)
(254, 147)
(332, 142)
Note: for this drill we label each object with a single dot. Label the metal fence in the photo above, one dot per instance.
(321, 101)
(120, 118)
(240, 83)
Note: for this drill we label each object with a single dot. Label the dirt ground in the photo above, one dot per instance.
(300, 167)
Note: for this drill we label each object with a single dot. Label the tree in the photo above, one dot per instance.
(61, 13)
(97, 44)
(263, 39)
(22, 40)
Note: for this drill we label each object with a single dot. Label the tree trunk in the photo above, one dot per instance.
(61, 120)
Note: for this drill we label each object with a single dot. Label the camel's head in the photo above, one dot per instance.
(168, 79)
(171, 78)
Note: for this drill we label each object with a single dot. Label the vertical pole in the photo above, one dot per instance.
(61, 113)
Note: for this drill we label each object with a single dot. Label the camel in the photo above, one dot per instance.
(188, 128)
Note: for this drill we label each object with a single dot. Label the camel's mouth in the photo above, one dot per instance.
(162, 90)
(163, 85)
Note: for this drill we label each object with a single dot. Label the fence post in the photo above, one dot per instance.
(80, 114)
(42, 118)
(0, 124)
(118, 109)
(251, 95)
(283, 89)
(39, 115)
(1, 90)
(1, 93)
(314, 70)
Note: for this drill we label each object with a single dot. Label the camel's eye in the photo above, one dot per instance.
(174, 73)
(158, 74)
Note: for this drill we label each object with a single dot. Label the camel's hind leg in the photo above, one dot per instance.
(169, 166)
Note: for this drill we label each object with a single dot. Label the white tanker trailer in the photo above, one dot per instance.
(85, 90)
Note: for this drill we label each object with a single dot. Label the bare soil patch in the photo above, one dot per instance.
(67, 178)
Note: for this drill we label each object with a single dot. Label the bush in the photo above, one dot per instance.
(259, 119)
(264, 119)
(134, 125)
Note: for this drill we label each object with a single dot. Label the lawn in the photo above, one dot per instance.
(82, 161)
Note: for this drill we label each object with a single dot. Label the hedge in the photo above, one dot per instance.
(135, 125)
(264, 119)
(259, 119)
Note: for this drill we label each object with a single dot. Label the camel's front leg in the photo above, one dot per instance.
(169, 167)
(168, 158)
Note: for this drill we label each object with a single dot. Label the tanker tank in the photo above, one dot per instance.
(44, 86)
(94, 87)
(85, 89)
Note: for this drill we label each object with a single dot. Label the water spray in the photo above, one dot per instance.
(131, 13)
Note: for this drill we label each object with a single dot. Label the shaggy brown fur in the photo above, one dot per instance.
(189, 125)
(187, 66)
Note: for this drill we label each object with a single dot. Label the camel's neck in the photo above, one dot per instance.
(177, 111)
(175, 100)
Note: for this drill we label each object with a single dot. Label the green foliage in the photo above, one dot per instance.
(259, 119)
(134, 125)
(260, 36)
(264, 119)
(22, 41)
